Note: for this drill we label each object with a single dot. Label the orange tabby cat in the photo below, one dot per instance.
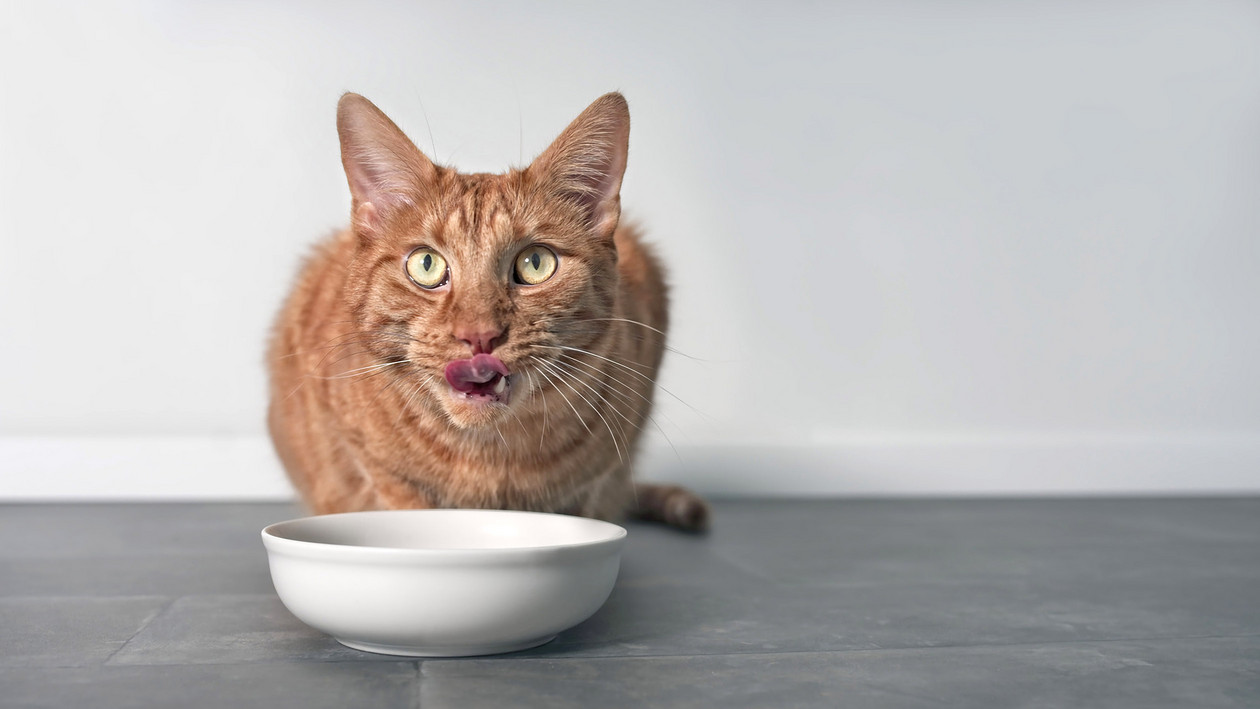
(475, 340)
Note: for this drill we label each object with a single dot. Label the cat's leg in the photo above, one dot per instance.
(671, 504)
(399, 491)
(387, 484)
(608, 496)
(342, 486)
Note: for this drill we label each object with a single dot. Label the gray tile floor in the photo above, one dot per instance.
(1053, 603)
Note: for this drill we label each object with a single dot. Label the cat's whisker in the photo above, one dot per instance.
(402, 410)
(520, 126)
(533, 389)
(608, 388)
(634, 372)
(628, 366)
(621, 385)
(612, 375)
(427, 126)
(628, 387)
(451, 157)
(566, 398)
(611, 434)
(519, 421)
(625, 437)
(557, 323)
(327, 323)
(594, 408)
(319, 365)
(568, 377)
(366, 341)
(369, 335)
(350, 355)
(345, 343)
(625, 320)
(301, 381)
(415, 390)
(391, 378)
(371, 331)
(351, 374)
(577, 375)
(353, 337)
(640, 338)
(629, 402)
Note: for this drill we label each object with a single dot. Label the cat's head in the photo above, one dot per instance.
(474, 278)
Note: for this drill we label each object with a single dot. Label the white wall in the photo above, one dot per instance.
(964, 247)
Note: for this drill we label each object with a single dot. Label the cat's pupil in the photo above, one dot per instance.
(535, 260)
(428, 262)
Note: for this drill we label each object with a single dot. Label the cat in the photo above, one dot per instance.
(476, 340)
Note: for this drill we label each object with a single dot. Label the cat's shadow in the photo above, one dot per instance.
(660, 605)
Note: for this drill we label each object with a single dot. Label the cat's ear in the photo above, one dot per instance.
(585, 164)
(385, 169)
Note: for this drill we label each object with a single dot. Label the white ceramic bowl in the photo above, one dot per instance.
(443, 583)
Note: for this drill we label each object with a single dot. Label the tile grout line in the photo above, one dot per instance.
(415, 698)
(562, 658)
(419, 664)
(170, 601)
(908, 648)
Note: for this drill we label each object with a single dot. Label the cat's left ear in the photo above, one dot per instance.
(586, 162)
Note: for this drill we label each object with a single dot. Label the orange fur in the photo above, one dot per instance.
(361, 414)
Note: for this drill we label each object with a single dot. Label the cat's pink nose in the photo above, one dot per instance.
(481, 341)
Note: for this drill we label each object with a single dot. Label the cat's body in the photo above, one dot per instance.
(520, 378)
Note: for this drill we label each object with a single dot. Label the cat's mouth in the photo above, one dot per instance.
(482, 378)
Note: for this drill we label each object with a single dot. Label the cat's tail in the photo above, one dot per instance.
(671, 504)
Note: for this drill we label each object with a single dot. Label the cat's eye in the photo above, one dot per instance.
(427, 268)
(535, 264)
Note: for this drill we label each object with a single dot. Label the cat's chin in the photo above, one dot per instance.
(475, 410)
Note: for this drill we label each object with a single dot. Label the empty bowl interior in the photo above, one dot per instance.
(447, 529)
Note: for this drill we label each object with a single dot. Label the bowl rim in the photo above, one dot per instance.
(273, 541)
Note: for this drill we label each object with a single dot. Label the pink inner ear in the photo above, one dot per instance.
(367, 218)
(382, 165)
(601, 191)
(588, 159)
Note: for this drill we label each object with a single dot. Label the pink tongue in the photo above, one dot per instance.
(469, 374)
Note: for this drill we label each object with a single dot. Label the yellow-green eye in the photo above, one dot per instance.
(427, 267)
(535, 264)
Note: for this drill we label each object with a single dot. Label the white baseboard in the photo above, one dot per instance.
(141, 468)
(861, 464)
(882, 464)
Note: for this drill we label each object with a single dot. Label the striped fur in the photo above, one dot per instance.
(361, 414)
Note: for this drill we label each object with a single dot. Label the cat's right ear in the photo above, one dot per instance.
(386, 171)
